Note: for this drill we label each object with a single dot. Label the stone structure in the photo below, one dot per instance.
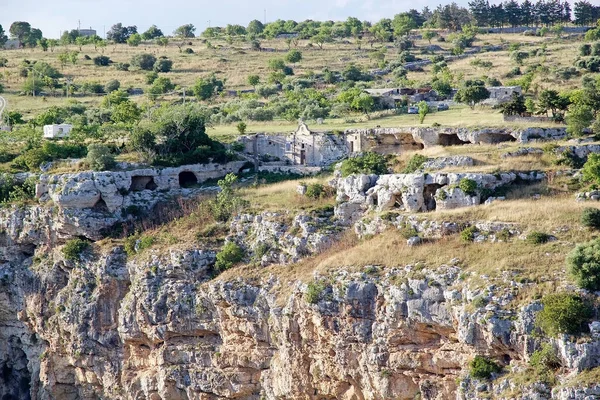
(415, 192)
(311, 148)
(501, 94)
(303, 147)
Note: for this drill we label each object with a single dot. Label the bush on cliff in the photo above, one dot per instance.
(563, 313)
(99, 157)
(367, 163)
(414, 164)
(483, 367)
(74, 248)
(229, 255)
(584, 265)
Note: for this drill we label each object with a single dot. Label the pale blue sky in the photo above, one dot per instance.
(54, 16)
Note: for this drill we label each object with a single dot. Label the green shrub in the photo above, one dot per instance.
(229, 255)
(228, 201)
(483, 368)
(408, 231)
(213, 231)
(313, 292)
(136, 243)
(315, 191)
(74, 248)
(537, 238)
(468, 186)
(591, 168)
(163, 65)
(584, 265)
(563, 313)
(468, 234)
(479, 302)
(99, 157)
(590, 218)
(414, 164)
(545, 359)
(143, 61)
(367, 163)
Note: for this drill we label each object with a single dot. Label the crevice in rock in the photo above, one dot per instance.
(429, 196)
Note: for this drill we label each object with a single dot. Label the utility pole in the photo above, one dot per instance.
(265, 18)
(183, 95)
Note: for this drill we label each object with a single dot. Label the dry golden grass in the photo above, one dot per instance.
(283, 196)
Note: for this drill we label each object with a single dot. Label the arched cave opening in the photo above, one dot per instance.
(100, 205)
(429, 196)
(187, 179)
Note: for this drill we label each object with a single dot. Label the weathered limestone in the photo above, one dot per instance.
(416, 192)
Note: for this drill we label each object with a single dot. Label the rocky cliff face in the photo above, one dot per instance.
(159, 325)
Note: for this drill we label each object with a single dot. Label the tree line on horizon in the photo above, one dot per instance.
(450, 16)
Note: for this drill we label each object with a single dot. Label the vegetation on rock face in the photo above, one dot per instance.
(228, 201)
(563, 313)
(73, 249)
(468, 186)
(584, 265)
(367, 163)
(414, 164)
(313, 292)
(483, 368)
(591, 169)
(229, 255)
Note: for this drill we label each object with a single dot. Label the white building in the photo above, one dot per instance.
(58, 131)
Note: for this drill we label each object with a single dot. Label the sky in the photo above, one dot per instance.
(55, 16)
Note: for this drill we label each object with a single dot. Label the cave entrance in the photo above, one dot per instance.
(139, 183)
(187, 179)
(429, 196)
(100, 205)
(493, 138)
(451, 140)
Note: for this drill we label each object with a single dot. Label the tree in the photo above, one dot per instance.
(550, 99)
(20, 30)
(126, 112)
(579, 117)
(480, 9)
(428, 35)
(3, 37)
(205, 88)
(81, 41)
(403, 24)
(43, 44)
(471, 93)
(516, 105)
(253, 80)
(144, 61)
(293, 56)
(152, 33)
(241, 127)
(162, 41)
(255, 27)
(134, 40)
(163, 65)
(99, 157)
(119, 33)
(322, 38)
(161, 85)
(364, 102)
(423, 110)
(185, 31)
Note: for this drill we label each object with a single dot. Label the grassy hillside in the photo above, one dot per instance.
(234, 62)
